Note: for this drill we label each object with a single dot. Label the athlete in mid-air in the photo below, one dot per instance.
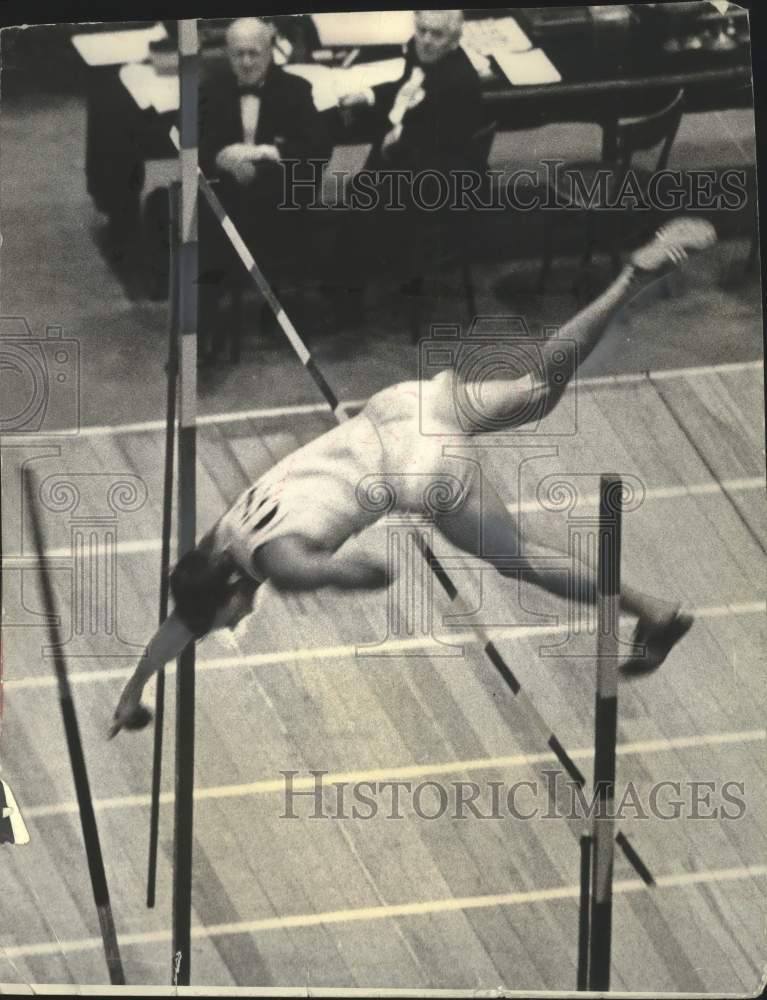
(299, 525)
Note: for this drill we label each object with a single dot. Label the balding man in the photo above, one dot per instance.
(253, 115)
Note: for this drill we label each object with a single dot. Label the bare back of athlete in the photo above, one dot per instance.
(383, 448)
(397, 454)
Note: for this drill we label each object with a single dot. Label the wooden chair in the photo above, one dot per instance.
(621, 140)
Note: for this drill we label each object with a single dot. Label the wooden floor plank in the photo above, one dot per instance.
(729, 439)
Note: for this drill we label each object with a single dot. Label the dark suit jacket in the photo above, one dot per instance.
(288, 120)
(435, 133)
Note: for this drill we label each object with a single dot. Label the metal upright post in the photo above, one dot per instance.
(606, 726)
(185, 679)
(174, 194)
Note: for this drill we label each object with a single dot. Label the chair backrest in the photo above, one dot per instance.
(642, 134)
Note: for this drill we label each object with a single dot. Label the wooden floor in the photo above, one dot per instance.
(412, 902)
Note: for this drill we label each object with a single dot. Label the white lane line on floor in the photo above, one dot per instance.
(679, 880)
(349, 651)
(264, 413)
(141, 546)
(203, 420)
(269, 786)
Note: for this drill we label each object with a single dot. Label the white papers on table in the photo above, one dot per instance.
(527, 68)
(150, 89)
(330, 84)
(371, 74)
(107, 48)
(504, 40)
(488, 34)
(373, 27)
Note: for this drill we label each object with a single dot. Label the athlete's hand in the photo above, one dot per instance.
(130, 713)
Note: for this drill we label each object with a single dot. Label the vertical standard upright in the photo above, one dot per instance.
(187, 305)
(583, 913)
(608, 611)
(174, 194)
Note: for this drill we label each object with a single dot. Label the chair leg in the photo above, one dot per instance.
(548, 243)
(207, 323)
(588, 251)
(416, 288)
(468, 287)
(615, 242)
(739, 269)
(753, 251)
(591, 239)
(235, 326)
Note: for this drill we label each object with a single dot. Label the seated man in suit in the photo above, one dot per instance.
(423, 122)
(253, 115)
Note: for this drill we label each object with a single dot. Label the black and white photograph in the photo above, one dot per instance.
(384, 535)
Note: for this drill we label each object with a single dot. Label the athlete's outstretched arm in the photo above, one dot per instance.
(293, 564)
(168, 642)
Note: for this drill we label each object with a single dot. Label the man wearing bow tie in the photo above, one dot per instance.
(253, 115)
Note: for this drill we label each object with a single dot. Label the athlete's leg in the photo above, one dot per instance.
(483, 527)
(664, 253)
(512, 400)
